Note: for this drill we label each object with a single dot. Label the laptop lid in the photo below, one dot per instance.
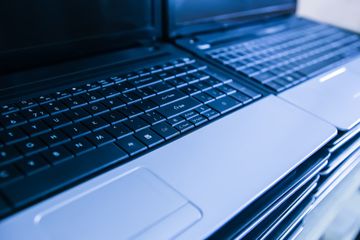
(40, 32)
(187, 17)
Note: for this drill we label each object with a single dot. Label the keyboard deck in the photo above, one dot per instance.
(283, 60)
(46, 142)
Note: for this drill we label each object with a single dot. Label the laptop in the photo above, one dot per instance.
(106, 132)
(309, 64)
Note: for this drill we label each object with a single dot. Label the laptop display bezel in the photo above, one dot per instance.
(173, 30)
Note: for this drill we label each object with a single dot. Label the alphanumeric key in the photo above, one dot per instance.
(9, 153)
(75, 130)
(113, 117)
(57, 154)
(204, 97)
(226, 89)
(161, 87)
(95, 108)
(54, 138)
(153, 117)
(241, 97)
(146, 105)
(113, 103)
(26, 103)
(165, 130)
(79, 146)
(34, 113)
(74, 102)
(125, 86)
(145, 92)
(131, 111)
(100, 138)
(176, 120)
(177, 82)
(215, 93)
(30, 146)
(77, 114)
(149, 137)
(61, 94)
(33, 164)
(76, 90)
(92, 97)
(8, 108)
(91, 86)
(12, 135)
(130, 97)
(190, 78)
(108, 92)
(213, 82)
(44, 99)
(55, 107)
(136, 124)
(12, 120)
(57, 121)
(202, 85)
(118, 130)
(95, 123)
(9, 174)
(105, 82)
(190, 89)
(145, 81)
(131, 145)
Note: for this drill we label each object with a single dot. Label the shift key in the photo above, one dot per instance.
(179, 107)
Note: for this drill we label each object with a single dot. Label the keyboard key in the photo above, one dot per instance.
(93, 96)
(30, 146)
(113, 117)
(168, 97)
(38, 185)
(130, 97)
(118, 130)
(108, 92)
(145, 92)
(204, 98)
(189, 114)
(211, 114)
(179, 107)
(131, 111)
(131, 145)
(95, 123)
(8, 153)
(197, 120)
(77, 115)
(55, 107)
(8, 108)
(9, 174)
(190, 89)
(146, 105)
(100, 138)
(136, 124)
(124, 86)
(184, 126)
(202, 109)
(113, 103)
(35, 128)
(75, 130)
(12, 120)
(57, 121)
(12, 135)
(32, 164)
(153, 117)
(161, 87)
(165, 130)
(215, 93)
(244, 99)
(145, 81)
(149, 137)
(27, 103)
(34, 113)
(57, 155)
(74, 102)
(226, 89)
(224, 104)
(54, 138)
(79, 146)
(95, 109)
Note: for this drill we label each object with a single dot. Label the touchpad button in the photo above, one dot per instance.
(136, 205)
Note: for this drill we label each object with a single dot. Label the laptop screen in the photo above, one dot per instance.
(190, 13)
(36, 32)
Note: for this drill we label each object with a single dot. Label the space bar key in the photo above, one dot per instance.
(59, 176)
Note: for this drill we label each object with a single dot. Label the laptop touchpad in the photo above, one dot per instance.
(135, 205)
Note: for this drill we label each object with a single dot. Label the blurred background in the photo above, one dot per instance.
(339, 215)
(342, 13)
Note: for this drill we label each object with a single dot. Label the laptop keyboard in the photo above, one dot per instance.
(49, 142)
(281, 61)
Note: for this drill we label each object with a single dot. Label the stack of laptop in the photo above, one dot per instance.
(171, 119)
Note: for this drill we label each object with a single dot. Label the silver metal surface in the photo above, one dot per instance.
(333, 96)
(220, 168)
